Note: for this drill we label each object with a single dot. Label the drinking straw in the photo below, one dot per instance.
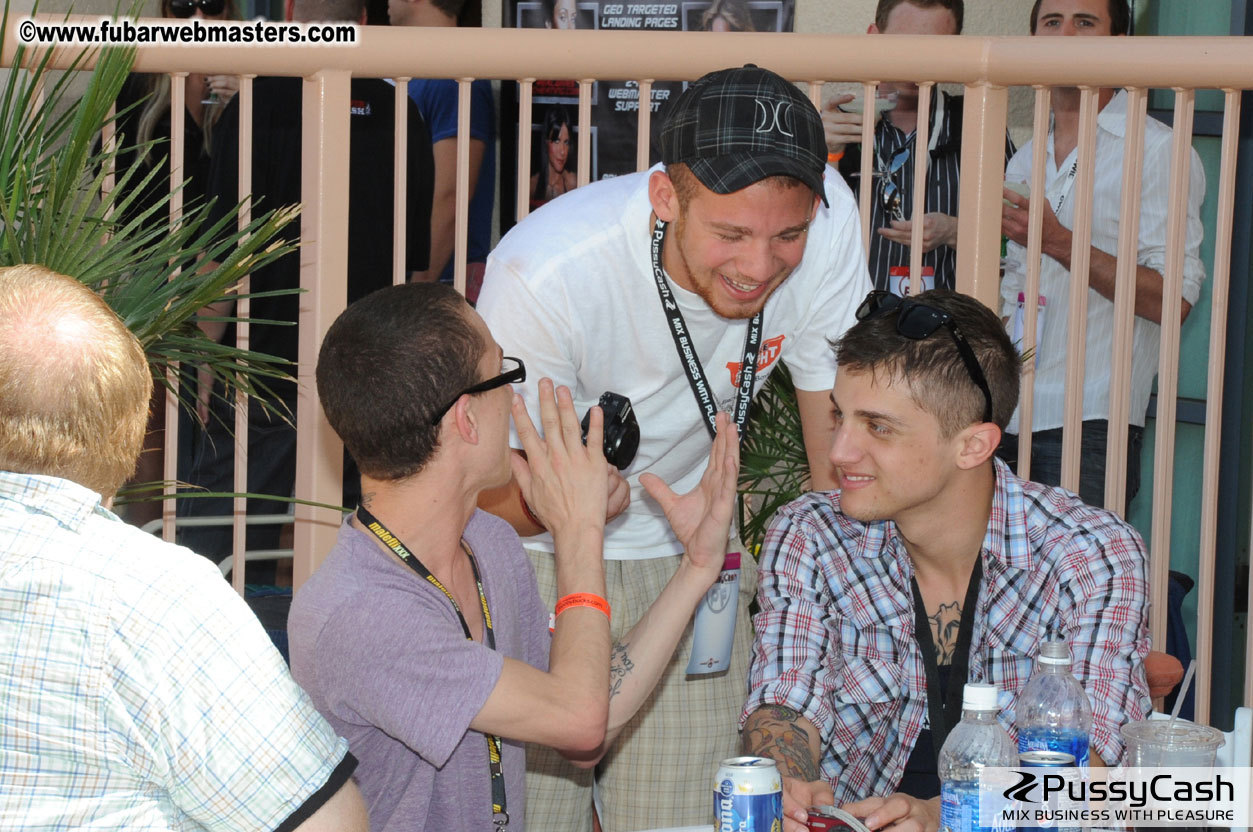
(1183, 691)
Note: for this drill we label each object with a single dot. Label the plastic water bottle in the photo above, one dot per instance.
(1053, 712)
(975, 743)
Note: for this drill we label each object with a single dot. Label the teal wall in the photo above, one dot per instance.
(1189, 17)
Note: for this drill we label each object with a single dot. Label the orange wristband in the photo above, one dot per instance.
(834, 158)
(582, 599)
(530, 515)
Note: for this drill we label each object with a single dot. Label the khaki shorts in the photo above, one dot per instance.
(660, 770)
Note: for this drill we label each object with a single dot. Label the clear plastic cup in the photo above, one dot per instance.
(1156, 742)
(1020, 188)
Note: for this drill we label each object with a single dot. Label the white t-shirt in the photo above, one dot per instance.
(570, 290)
(1050, 368)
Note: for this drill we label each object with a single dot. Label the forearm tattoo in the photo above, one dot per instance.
(772, 732)
(945, 625)
(620, 665)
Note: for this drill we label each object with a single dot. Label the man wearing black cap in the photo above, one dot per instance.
(662, 286)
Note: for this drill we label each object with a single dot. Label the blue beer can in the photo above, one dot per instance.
(748, 796)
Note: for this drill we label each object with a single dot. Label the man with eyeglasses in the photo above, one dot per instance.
(892, 171)
(931, 566)
(1098, 18)
(682, 288)
(422, 637)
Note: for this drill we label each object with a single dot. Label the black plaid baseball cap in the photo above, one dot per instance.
(738, 126)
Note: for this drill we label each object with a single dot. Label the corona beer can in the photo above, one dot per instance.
(748, 796)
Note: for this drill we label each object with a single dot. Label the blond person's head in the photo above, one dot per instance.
(74, 383)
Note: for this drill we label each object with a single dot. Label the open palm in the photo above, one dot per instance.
(701, 518)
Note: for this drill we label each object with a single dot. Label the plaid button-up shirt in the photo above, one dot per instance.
(139, 692)
(835, 635)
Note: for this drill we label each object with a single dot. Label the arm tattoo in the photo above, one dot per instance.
(772, 732)
(620, 665)
(945, 625)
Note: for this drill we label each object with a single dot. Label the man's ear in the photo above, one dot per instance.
(872, 29)
(977, 444)
(663, 196)
(466, 421)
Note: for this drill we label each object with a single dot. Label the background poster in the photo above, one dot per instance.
(553, 120)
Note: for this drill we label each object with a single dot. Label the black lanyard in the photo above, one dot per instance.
(687, 353)
(500, 817)
(945, 709)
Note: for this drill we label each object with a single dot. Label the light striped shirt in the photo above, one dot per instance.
(1050, 370)
(139, 692)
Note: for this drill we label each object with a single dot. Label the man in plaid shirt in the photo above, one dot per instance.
(927, 523)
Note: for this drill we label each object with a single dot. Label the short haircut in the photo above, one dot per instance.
(387, 365)
(74, 382)
(1119, 17)
(687, 186)
(885, 7)
(933, 368)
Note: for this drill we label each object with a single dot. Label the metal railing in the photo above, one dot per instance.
(985, 67)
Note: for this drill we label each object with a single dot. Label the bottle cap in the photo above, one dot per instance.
(1054, 653)
(979, 697)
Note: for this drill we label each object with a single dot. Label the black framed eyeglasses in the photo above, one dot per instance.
(512, 371)
(186, 8)
(917, 321)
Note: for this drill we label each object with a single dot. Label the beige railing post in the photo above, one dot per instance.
(324, 277)
(1124, 302)
(1168, 362)
(243, 339)
(984, 116)
(178, 112)
(1214, 412)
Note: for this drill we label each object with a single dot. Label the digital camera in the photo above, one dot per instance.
(622, 431)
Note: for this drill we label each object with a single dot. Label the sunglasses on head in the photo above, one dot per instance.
(917, 321)
(186, 8)
(513, 371)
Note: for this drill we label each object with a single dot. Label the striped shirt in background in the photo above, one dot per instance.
(835, 635)
(139, 690)
(942, 194)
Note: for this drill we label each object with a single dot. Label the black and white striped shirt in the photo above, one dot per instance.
(943, 171)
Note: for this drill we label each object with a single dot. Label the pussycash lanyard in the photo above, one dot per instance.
(687, 352)
(500, 817)
(944, 708)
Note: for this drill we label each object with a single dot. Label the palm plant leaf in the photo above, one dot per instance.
(774, 469)
(157, 275)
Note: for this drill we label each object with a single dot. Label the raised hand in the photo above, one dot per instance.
(841, 128)
(701, 518)
(563, 481)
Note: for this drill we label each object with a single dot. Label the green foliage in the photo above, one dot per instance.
(55, 212)
(774, 469)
